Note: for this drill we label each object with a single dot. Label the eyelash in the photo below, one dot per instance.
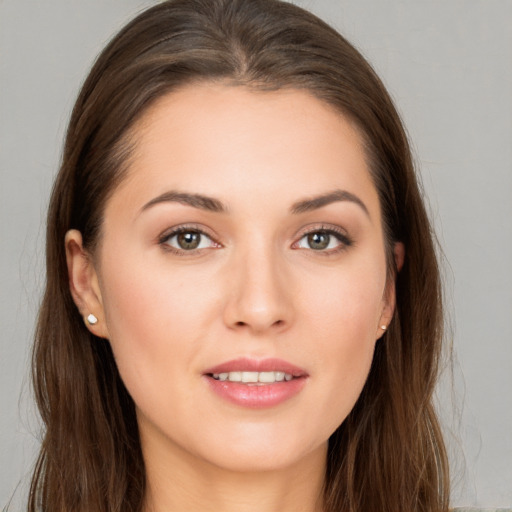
(344, 240)
(341, 236)
(163, 240)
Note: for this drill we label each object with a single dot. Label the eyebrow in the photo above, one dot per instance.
(211, 204)
(314, 203)
(195, 200)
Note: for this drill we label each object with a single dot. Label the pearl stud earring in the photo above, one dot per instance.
(383, 327)
(91, 319)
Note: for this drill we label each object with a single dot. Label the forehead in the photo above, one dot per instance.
(231, 142)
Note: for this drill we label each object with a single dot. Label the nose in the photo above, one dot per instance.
(260, 294)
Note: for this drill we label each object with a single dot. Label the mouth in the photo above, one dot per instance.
(256, 383)
(253, 378)
(256, 371)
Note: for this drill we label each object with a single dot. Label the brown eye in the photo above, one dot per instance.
(319, 240)
(188, 240)
(324, 240)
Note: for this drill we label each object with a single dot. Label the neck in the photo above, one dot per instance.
(178, 482)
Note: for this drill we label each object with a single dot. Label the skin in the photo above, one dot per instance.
(255, 288)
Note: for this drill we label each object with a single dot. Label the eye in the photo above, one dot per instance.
(326, 240)
(186, 240)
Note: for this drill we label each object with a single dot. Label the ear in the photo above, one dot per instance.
(389, 299)
(83, 283)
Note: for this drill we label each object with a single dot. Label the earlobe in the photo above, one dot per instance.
(387, 310)
(84, 285)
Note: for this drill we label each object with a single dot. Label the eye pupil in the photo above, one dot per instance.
(318, 240)
(188, 240)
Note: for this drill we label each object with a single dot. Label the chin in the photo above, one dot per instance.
(263, 453)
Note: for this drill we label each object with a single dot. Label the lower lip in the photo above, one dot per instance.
(256, 396)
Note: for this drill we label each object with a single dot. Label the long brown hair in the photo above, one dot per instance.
(388, 455)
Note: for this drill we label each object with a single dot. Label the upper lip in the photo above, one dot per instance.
(245, 364)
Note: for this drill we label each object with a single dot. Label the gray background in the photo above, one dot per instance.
(447, 63)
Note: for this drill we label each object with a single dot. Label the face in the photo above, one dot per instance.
(241, 276)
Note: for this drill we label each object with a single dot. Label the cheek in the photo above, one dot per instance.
(343, 320)
(154, 338)
(348, 304)
(346, 341)
(152, 317)
(143, 295)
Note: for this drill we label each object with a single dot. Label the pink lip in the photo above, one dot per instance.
(257, 396)
(255, 365)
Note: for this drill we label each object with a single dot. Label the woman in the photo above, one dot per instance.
(243, 305)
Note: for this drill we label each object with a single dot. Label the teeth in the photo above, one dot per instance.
(267, 377)
(249, 376)
(253, 377)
